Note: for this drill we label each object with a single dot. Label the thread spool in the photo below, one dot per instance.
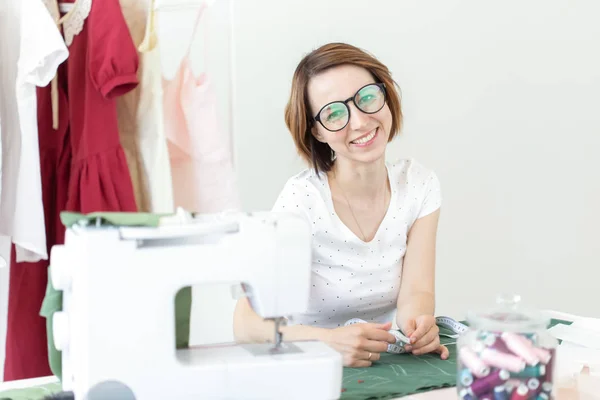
(502, 360)
(477, 367)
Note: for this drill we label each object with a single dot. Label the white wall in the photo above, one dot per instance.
(500, 98)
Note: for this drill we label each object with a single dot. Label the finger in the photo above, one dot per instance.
(359, 364)
(429, 348)
(386, 327)
(360, 358)
(429, 337)
(409, 328)
(362, 344)
(421, 330)
(374, 346)
(443, 351)
(380, 335)
(368, 356)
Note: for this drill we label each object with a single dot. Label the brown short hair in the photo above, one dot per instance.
(297, 111)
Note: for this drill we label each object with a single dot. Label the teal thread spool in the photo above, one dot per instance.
(466, 378)
(530, 372)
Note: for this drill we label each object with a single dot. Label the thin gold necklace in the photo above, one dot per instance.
(364, 237)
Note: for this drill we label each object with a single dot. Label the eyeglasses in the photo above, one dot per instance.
(369, 99)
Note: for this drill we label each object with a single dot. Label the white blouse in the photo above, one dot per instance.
(351, 278)
(36, 49)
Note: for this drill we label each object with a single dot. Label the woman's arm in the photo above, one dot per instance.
(416, 300)
(249, 327)
(359, 344)
(417, 289)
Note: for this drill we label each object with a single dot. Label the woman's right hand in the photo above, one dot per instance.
(360, 344)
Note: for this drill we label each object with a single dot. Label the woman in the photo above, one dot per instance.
(374, 223)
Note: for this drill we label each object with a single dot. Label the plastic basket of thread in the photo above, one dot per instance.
(396, 348)
(506, 354)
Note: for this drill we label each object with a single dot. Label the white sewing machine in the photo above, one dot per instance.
(117, 323)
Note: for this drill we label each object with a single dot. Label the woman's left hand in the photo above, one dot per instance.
(424, 337)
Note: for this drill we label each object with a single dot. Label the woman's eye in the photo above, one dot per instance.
(367, 99)
(335, 115)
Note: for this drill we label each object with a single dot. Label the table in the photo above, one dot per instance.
(441, 394)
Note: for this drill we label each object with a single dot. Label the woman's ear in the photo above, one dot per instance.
(316, 134)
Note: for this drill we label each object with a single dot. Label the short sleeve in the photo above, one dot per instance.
(112, 57)
(432, 196)
(42, 47)
(292, 199)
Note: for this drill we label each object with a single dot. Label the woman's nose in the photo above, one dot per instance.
(358, 119)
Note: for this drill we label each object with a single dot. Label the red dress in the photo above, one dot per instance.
(83, 167)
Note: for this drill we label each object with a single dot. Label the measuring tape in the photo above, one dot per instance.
(457, 327)
(398, 348)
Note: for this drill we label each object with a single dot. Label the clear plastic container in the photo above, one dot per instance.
(506, 354)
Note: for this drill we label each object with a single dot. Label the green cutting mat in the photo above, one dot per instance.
(396, 375)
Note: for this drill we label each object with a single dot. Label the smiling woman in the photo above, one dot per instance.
(374, 223)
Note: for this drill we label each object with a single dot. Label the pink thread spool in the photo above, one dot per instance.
(499, 345)
(543, 354)
(520, 348)
(505, 361)
(477, 367)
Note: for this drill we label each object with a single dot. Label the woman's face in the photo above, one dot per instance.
(365, 136)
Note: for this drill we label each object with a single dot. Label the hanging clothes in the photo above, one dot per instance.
(150, 122)
(134, 12)
(9, 119)
(83, 165)
(32, 50)
(40, 50)
(102, 66)
(201, 155)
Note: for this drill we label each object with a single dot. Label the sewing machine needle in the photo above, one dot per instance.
(278, 335)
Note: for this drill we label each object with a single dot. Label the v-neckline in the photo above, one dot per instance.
(331, 206)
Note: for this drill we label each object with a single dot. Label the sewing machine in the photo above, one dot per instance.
(117, 323)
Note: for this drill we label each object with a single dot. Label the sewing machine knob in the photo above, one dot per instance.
(60, 267)
(60, 330)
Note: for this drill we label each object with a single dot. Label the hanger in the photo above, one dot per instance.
(65, 7)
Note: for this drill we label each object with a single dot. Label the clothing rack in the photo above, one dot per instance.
(123, 142)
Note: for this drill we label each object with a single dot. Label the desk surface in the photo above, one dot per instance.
(442, 394)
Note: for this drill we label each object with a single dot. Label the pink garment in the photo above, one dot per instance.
(200, 154)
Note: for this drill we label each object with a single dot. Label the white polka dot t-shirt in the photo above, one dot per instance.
(351, 278)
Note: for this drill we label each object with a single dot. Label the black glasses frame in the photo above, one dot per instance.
(381, 85)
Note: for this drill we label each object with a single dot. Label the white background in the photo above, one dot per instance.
(501, 99)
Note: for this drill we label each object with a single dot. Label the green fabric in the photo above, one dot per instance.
(53, 298)
(396, 375)
(113, 218)
(31, 393)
